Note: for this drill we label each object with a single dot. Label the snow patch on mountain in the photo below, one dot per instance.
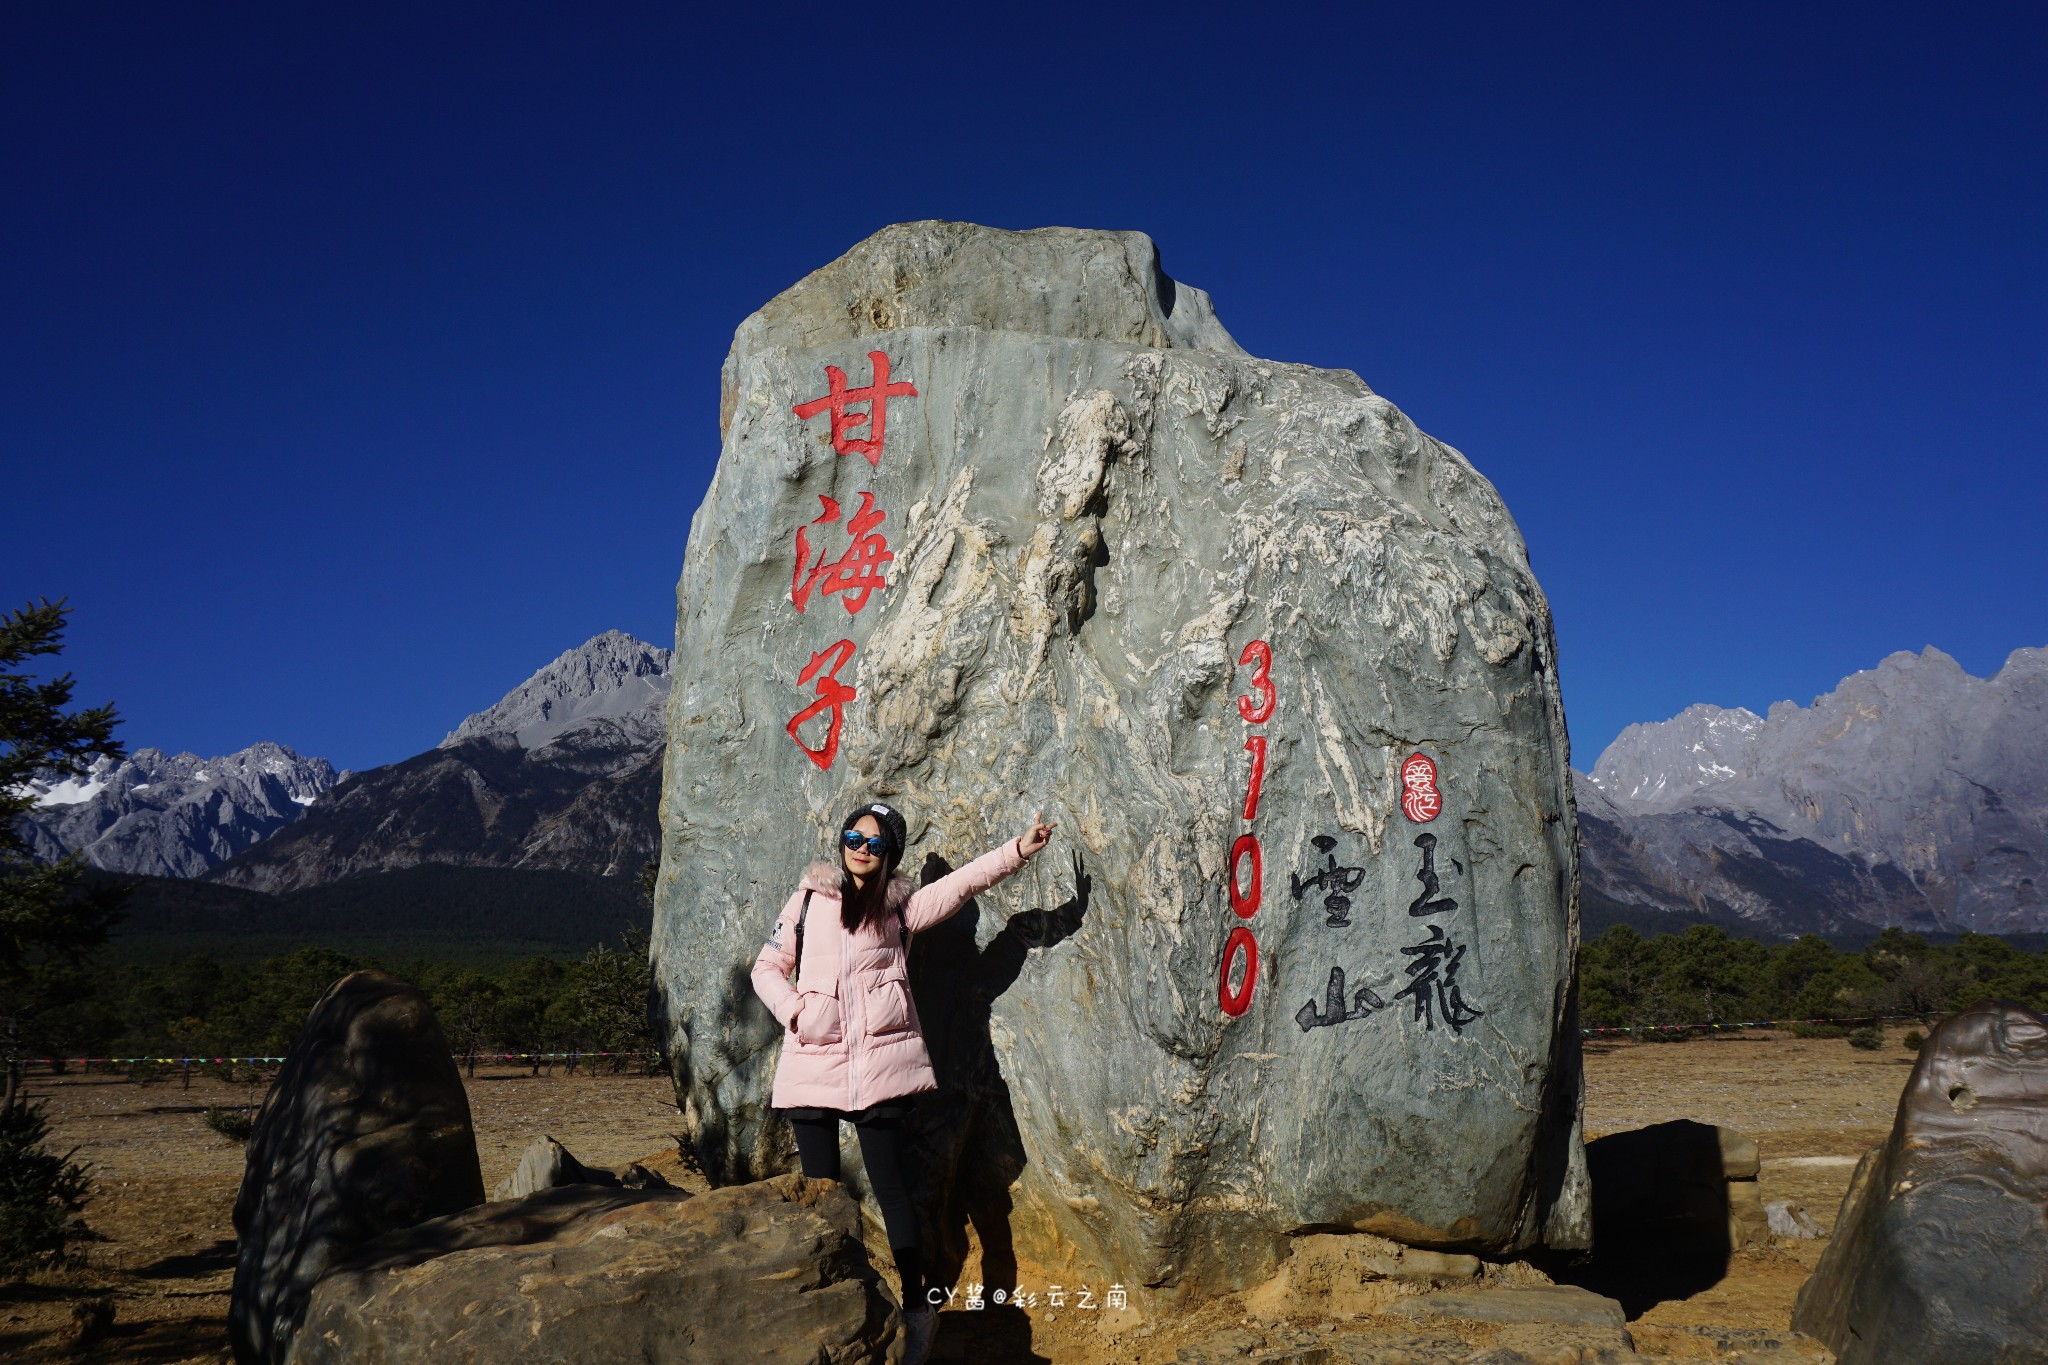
(173, 815)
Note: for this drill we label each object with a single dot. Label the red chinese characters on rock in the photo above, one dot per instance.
(832, 697)
(875, 396)
(855, 574)
(1420, 800)
(1247, 861)
(858, 573)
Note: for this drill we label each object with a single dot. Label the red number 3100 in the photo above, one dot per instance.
(1256, 708)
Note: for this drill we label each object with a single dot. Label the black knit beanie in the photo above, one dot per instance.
(895, 832)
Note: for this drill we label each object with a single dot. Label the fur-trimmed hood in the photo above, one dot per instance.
(823, 878)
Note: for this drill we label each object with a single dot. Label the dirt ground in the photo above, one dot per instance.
(163, 1254)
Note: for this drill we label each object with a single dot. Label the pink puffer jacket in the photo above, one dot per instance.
(855, 1040)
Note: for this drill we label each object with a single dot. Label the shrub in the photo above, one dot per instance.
(1870, 1038)
(39, 1190)
(1819, 1031)
(1913, 1039)
(229, 1122)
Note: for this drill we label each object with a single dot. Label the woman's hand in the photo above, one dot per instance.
(1037, 837)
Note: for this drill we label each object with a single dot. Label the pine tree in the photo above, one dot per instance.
(47, 927)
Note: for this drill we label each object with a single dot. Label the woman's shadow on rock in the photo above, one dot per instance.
(964, 1138)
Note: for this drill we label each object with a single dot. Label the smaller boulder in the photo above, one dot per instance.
(638, 1177)
(768, 1273)
(366, 1129)
(1940, 1253)
(1789, 1221)
(548, 1165)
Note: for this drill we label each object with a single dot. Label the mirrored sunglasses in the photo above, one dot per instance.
(853, 839)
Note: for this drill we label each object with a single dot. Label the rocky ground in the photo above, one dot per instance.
(166, 1183)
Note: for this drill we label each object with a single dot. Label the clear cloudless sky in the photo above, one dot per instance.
(357, 359)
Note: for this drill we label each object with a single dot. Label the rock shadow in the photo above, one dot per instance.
(993, 1336)
(218, 1257)
(1660, 1217)
(964, 1143)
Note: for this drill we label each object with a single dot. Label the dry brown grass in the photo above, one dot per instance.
(166, 1185)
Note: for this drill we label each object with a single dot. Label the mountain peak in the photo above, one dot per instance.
(611, 675)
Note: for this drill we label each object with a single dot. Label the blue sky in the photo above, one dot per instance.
(356, 360)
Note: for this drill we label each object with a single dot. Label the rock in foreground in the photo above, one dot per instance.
(1940, 1253)
(367, 1129)
(763, 1273)
(1006, 520)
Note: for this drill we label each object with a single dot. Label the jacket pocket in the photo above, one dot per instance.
(888, 1002)
(819, 1021)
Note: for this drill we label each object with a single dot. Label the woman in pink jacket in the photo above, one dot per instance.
(851, 1046)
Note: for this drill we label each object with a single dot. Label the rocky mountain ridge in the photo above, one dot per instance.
(611, 676)
(173, 815)
(1912, 794)
(563, 774)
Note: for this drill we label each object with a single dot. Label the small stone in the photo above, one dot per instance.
(1418, 1264)
(547, 1164)
(1790, 1221)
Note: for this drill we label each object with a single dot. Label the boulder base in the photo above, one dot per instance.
(763, 1273)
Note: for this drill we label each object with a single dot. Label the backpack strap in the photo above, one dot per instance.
(801, 915)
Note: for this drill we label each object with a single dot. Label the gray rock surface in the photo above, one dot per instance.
(1095, 503)
(545, 1165)
(1933, 782)
(173, 815)
(1793, 1223)
(763, 1273)
(1940, 1252)
(365, 1130)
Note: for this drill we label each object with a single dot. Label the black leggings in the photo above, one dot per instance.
(817, 1143)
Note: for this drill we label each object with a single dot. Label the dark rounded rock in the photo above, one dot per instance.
(1940, 1252)
(367, 1129)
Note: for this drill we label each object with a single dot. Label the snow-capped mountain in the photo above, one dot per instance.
(562, 774)
(612, 675)
(173, 815)
(1916, 792)
(1677, 764)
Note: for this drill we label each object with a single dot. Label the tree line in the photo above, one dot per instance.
(1706, 975)
(199, 1007)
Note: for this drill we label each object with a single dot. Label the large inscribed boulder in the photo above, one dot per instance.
(1006, 520)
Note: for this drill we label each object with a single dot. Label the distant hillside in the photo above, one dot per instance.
(436, 910)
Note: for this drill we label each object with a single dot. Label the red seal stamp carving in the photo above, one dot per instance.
(1420, 800)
